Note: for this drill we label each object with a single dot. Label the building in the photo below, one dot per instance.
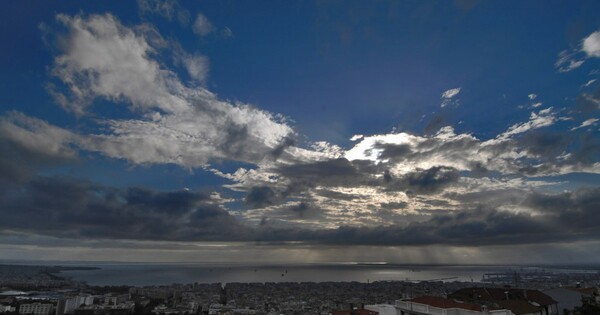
(69, 305)
(37, 308)
(569, 298)
(435, 305)
(519, 301)
(7, 309)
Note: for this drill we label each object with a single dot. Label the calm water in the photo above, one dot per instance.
(148, 274)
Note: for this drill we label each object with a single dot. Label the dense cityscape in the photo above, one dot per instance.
(41, 290)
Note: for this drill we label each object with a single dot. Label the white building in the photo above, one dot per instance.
(68, 306)
(36, 308)
(434, 305)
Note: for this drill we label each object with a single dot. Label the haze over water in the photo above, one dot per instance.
(162, 274)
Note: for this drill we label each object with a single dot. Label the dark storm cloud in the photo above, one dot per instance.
(427, 181)
(341, 172)
(584, 151)
(561, 218)
(261, 196)
(67, 207)
(71, 208)
(306, 210)
(545, 143)
(333, 172)
(393, 205)
(429, 148)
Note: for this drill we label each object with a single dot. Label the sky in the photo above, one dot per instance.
(300, 131)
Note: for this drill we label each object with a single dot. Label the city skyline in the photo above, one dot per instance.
(401, 132)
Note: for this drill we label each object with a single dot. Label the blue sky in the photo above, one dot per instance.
(463, 126)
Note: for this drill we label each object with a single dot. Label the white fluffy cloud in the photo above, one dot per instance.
(591, 45)
(103, 58)
(178, 124)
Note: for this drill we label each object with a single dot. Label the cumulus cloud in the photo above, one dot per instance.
(184, 125)
(397, 188)
(591, 45)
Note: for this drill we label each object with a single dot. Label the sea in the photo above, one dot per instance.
(165, 274)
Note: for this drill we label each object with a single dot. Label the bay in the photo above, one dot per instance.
(163, 274)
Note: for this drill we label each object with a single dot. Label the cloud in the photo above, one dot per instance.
(356, 137)
(400, 188)
(590, 82)
(574, 58)
(202, 26)
(570, 217)
(543, 118)
(586, 123)
(29, 144)
(173, 122)
(103, 58)
(426, 181)
(532, 96)
(227, 32)
(196, 66)
(72, 208)
(167, 8)
(451, 93)
(591, 45)
(261, 196)
(589, 102)
(448, 95)
(568, 61)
